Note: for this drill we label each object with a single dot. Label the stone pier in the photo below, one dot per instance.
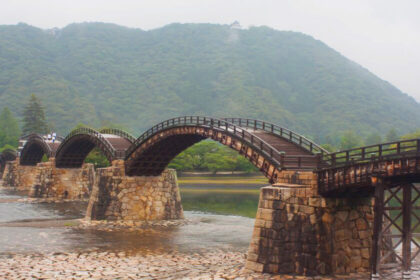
(116, 196)
(45, 180)
(298, 232)
(19, 177)
(67, 183)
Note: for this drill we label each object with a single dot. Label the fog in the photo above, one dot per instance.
(381, 35)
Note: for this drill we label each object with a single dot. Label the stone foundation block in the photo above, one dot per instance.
(297, 233)
(119, 197)
(20, 177)
(67, 183)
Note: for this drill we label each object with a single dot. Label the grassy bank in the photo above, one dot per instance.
(223, 180)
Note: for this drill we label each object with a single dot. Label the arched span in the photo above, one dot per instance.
(268, 130)
(80, 142)
(35, 148)
(6, 155)
(152, 151)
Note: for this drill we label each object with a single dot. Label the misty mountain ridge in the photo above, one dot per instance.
(97, 73)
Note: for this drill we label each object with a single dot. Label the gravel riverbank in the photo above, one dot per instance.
(118, 265)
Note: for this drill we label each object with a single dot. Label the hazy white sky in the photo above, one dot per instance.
(381, 35)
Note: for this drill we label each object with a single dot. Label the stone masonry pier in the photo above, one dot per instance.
(45, 180)
(20, 177)
(116, 196)
(299, 232)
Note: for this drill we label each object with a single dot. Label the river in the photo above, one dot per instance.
(221, 211)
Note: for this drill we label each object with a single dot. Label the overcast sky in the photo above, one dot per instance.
(381, 35)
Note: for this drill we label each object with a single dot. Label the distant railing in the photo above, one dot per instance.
(26, 136)
(279, 159)
(285, 133)
(118, 132)
(376, 152)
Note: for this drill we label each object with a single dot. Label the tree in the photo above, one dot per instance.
(350, 140)
(392, 135)
(34, 117)
(9, 129)
(373, 138)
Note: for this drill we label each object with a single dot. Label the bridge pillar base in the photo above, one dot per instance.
(18, 176)
(67, 183)
(119, 197)
(298, 232)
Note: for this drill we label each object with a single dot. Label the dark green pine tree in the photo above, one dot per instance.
(34, 117)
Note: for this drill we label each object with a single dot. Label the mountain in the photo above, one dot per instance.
(99, 73)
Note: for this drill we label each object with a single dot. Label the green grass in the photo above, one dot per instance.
(252, 180)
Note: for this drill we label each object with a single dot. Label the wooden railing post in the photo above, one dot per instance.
(282, 160)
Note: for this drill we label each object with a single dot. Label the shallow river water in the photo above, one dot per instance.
(218, 221)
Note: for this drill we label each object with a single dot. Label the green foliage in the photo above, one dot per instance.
(94, 73)
(350, 140)
(7, 147)
(211, 156)
(373, 138)
(34, 117)
(9, 129)
(97, 158)
(413, 135)
(329, 147)
(392, 135)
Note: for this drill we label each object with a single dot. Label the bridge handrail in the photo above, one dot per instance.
(91, 131)
(285, 133)
(26, 136)
(273, 154)
(373, 152)
(118, 132)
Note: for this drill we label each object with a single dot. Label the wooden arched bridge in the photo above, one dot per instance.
(381, 170)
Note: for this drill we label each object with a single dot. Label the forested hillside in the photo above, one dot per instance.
(93, 72)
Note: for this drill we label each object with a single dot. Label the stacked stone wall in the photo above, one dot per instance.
(119, 197)
(20, 177)
(298, 232)
(68, 183)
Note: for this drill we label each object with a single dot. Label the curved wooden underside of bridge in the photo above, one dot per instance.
(269, 151)
(36, 147)
(5, 156)
(80, 142)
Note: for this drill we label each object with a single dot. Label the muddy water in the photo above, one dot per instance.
(49, 227)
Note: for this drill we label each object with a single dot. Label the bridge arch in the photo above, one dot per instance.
(80, 142)
(154, 149)
(6, 155)
(35, 148)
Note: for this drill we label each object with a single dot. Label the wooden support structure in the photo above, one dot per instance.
(394, 234)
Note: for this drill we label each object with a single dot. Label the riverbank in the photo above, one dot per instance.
(216, 264)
